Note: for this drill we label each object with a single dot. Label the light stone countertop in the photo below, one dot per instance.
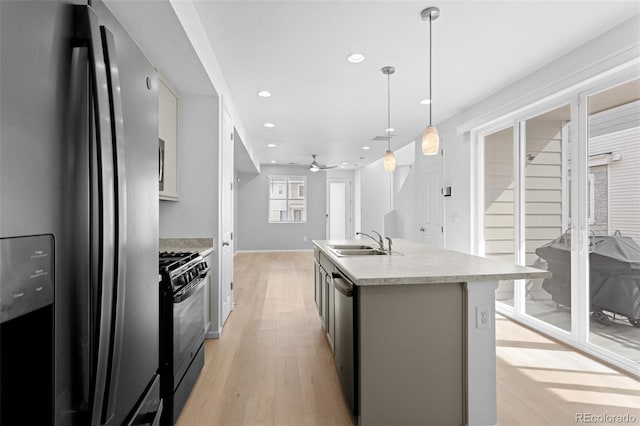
(204, 246)
(415, 263)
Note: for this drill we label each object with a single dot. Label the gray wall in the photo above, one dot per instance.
(195, 215)
(253, 230)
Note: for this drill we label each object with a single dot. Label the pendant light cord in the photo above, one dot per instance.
(389, 111)
(430, 60)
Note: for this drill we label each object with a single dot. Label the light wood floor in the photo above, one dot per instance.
(273, 366)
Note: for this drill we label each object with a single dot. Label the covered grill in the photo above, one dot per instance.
(614, 271)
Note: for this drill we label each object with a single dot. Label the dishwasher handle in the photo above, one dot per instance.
(342, 285)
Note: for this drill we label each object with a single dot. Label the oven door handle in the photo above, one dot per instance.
(180, 297)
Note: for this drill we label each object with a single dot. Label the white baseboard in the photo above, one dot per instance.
(274, 251)
(212, 334)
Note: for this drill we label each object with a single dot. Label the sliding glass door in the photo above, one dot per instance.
(613, 218)
(547, 237)
(499, 210)
(561, 192)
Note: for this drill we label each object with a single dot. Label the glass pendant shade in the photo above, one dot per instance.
(430, 141)
(430, 137)
(389, 161)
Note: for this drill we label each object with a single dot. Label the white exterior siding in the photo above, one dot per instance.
(543, 190)
(498, 196)
(617, 133)
(543, 184)
(615, 119)
(624, 179)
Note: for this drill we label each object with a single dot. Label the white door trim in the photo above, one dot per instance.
(224, 264)
(348, 206)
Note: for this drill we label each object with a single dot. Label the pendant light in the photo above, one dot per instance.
(430, 138)
(389, 157)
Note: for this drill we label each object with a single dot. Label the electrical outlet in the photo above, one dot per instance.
(483, 317)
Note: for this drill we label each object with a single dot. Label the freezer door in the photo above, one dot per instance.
(44, 172)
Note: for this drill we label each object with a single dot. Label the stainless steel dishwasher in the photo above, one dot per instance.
(345, 344)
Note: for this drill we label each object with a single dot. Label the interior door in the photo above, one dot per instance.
(226, 216)
(338, 209)
(431, 215)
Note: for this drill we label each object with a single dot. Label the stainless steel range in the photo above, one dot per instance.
(181, 328)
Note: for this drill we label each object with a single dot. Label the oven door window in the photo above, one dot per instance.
(188, 331)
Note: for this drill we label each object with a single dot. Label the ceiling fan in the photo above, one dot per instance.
(314, 166)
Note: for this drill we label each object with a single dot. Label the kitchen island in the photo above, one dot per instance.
(423, 330)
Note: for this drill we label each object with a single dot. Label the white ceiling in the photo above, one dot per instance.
(323, 105)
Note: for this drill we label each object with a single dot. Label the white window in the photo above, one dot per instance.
(287, 201)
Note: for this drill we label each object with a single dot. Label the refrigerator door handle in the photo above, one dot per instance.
(88, 33)
(117, 132)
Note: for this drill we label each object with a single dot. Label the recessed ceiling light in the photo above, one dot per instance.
(390, 129)
(366, 147)
(425, 101)
(273, 161)
(342, 167)
(355, 58)
(264, 93)
(345, 163)
(271, 145)
(270, 125)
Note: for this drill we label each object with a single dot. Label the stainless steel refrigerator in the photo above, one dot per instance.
(78, 218)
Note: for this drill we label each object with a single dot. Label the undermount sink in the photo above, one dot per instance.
(342, 250)
(363, 252)
(349, 247)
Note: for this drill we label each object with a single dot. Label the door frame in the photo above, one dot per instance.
(437, 184)
(348, 206)
(222, 265)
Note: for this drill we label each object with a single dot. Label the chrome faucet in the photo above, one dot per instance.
(389, 240)
(380, 241)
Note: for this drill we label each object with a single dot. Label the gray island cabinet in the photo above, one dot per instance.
(415, 342)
